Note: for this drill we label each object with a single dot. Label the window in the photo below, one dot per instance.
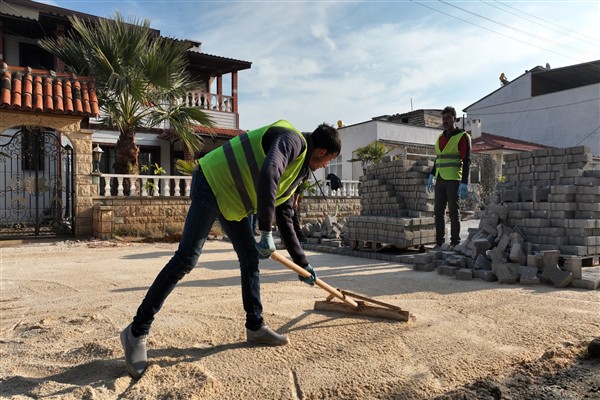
(148, 156)
(335, 167)
(32, 55)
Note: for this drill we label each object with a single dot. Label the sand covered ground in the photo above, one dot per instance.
(63, 305)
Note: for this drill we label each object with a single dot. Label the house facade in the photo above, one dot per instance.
(559, 107)
(24, 22)
(407, 135)
(50, 122)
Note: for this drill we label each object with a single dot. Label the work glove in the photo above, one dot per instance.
(266, 245)
(311, 279)
(430, 183)
(463, 191)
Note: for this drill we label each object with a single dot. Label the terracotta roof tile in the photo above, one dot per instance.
(27, 89)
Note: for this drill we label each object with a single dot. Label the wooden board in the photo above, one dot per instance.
(363, 310)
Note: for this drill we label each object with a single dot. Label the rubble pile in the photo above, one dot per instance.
(503, 254)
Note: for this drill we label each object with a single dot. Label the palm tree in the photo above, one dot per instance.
(141, 80)
(371, 153)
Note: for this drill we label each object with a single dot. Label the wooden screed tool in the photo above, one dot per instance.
(346, 304)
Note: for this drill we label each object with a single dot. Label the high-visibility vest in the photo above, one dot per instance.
(233, 171)
(448, 163)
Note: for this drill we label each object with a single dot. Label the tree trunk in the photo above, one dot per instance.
(126, 157)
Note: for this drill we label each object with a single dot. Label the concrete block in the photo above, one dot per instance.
(424, 267)
(482, 263)
(517, 255)
(486, 275)
(529, 276)
(503, 243)
(510, 196)
(517, 237)
(447, 270)
(572, 264)
(423, 258)
(549, 257)
(457, 261)
(500, 210)
(559, 278)
(496, 255)
(590, 279)
(507, 272)
(464, 274)
(534, 260)
(481, 246)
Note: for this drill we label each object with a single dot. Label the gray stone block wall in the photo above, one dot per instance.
(553, 196)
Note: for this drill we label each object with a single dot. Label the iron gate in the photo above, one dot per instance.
(36, 184)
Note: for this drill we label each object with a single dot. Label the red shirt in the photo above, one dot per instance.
(462, 144)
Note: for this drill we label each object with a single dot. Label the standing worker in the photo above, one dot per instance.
(273, 161)
(450, 174)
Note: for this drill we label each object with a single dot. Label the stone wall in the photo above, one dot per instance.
(139, 216)
(166, 215)
(315, 207)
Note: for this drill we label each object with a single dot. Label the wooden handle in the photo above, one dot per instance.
(301, 271)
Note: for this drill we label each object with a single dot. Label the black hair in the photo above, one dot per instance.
(328, 138)
(449, 110)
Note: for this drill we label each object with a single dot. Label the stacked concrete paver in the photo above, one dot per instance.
(396, 210)
(543, 227)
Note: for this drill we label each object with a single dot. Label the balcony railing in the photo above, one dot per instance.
(209, 101)
(145, 185)
(122, 185)
(348, 188)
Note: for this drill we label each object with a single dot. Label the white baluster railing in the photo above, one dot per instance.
(146, 185)
(348, 189)
(171, 185)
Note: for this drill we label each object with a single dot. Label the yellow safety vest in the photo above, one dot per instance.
(448, 163)
(233, 171)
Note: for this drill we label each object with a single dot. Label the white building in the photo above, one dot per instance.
(557, 107)
(410, 133)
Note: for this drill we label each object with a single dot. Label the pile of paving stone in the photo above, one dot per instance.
(395, 208)
(542, 227)
(503, 254)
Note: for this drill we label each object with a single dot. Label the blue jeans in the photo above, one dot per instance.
(446, 193)
(202, 214)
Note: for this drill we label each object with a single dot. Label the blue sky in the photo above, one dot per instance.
(321, 61)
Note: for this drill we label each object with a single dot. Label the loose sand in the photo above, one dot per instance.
(64, 304)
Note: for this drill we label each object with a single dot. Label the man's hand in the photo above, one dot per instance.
(311, 279)
(266, 245)
(430, 183)
(463, 191)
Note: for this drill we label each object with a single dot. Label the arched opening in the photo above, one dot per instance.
(37, 167)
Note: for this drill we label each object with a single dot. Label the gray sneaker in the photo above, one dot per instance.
(136, 359)
(265, 335)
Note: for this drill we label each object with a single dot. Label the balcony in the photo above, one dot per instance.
(219, 109)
